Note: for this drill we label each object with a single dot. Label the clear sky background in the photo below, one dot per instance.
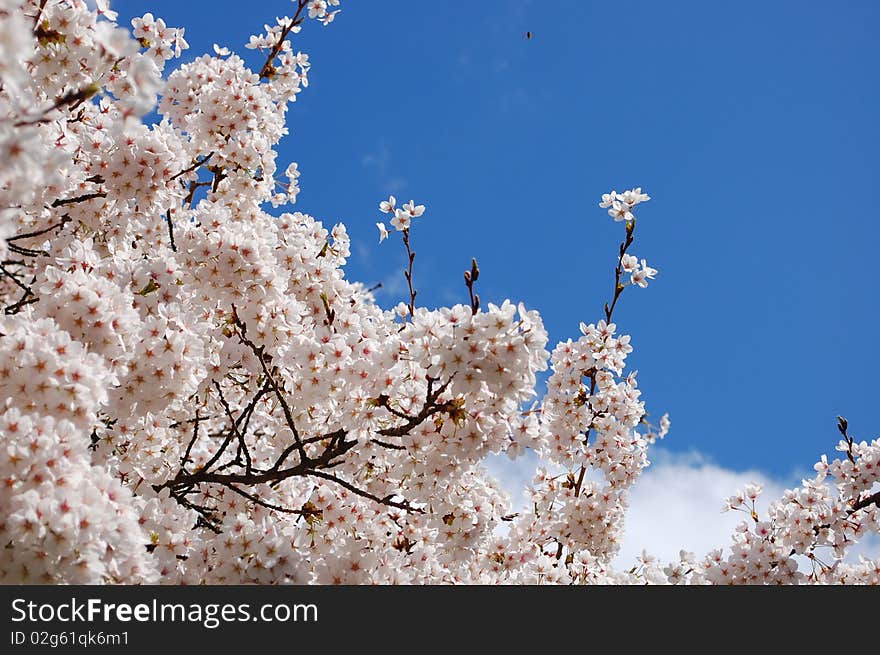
(753, 125)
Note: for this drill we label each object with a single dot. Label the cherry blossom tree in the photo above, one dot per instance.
(193, 392)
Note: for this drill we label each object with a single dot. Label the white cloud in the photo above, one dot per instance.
(380, 162)
(676, 505)
(514, 475)
(394, 288)
(869, 547)
(379, 159)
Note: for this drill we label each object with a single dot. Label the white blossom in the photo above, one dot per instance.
(193, 391)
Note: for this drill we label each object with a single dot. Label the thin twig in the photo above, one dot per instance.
(470, 278)
(609, 313)
(268, 69)
(408, 273)
(170, 230)
(199, 163)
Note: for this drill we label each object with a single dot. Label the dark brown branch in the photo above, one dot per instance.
(39, 13)
(191, 194)
(82, 198)
(198, 164)
(583, 471)
(873, 499)
(219, 176)
(71, 98)
(842, 425)
(335, 445)
(14, 278)
(245, 417)
(189, 447)
(215, 457)
(618, 287)
(259, 352)
(408, 273)
(428, 409)
(338, 436)
(384, 401)
(25, 252)
(207, 516)
(307, 467)
(234, 428)
(365, 494)
(609, 313)
(27, 235)
(27, 298)
(196, 419)
(385, 444)
(170, 230)
(330, 313)
(263, 503)
(268, 69)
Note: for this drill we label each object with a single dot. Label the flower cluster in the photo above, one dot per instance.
(162, 43)
(621, 205)
(70, 521)
(46, 372)
(402, 216)
(192, 391)
(320, 10)
(639, 273)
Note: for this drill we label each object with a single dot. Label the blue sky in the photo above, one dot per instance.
(752, 125)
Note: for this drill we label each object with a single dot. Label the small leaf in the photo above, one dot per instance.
(149, 288)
